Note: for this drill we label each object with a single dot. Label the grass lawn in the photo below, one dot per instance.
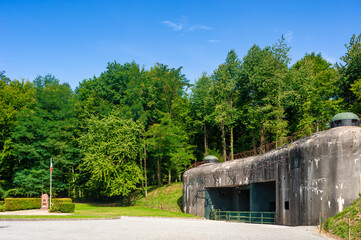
(88, 209)
(84, 210)
(165, 198)
(165, 201)
(338, 224)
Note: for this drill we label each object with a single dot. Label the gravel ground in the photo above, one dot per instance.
(32, 212)
(150, 228)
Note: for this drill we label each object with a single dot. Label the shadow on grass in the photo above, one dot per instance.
(180, 203)
(107, 205)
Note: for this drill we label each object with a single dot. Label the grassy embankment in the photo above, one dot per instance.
(338, 224)
(166, 198)
(161, 202)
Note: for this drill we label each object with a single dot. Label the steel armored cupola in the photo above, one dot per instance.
(345, 119)
(210, 159)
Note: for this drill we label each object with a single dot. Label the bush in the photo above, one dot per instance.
(57, 201)
(2, 208)
(2, 203)
(67, 207)
(54, 208)
(13, 204)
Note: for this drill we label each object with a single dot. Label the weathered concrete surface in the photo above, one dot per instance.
(319, 173)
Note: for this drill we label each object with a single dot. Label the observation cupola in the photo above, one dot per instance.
(345, 119)
(210, 159)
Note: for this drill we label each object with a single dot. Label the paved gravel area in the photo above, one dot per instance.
(32, 212)
(150, 228)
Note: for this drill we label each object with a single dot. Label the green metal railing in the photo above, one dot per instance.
(242, 216)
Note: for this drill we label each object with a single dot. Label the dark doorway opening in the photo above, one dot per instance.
(255, 197)
(227, 199)
(263, 197)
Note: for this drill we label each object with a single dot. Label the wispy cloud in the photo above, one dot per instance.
(288, 36)
(213, 41)
(199, 26)
(184, 26)
(175, 26)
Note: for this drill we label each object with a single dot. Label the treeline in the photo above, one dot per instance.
(131, 127)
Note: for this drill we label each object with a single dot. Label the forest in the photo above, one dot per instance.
(131, 127)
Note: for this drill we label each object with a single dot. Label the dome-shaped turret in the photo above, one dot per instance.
(210, 159)
(345, 119)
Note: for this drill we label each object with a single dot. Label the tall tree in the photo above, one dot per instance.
(169, 145)
(262, 87)
(3, 77)
(349, 71)
(201, 107)
(45, 130)
(111, 148)
(315, 91)
(15, 96)
(168, 84)
(223, 93)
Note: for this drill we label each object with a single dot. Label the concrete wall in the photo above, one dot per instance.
(319, 173)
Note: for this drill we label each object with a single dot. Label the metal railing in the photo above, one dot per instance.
(243, 216)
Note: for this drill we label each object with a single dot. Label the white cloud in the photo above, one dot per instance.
(175, 26)
(288, 36)
(184, 26)
(199, 26)
(213, 41)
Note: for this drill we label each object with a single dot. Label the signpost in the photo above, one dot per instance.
(51, 171)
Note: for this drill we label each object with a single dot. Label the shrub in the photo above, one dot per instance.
(13, 204)
(2, 208)
(67, 207)
(54, 208)
(2, 203)
(56, 201)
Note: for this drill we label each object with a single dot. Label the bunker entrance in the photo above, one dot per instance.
(255, 197)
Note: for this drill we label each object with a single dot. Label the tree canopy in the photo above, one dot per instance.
(131, 127)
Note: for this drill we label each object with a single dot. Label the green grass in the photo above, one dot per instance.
(85, 210)
(166, 198)
(88, 209)
(338, 224)
(165, 201)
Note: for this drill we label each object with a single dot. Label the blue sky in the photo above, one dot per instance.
(74, 40)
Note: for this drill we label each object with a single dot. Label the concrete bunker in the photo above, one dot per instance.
(317, 174)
